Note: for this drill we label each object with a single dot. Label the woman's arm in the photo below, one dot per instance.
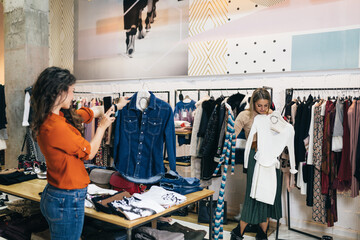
(105, 122)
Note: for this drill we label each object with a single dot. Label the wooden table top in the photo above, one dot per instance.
(31, 189)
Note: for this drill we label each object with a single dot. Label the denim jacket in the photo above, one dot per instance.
(139, 140)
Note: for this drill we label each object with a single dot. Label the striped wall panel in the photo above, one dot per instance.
(61, 31)
(207, 58)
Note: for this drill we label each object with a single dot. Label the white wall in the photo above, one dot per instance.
(348, 208)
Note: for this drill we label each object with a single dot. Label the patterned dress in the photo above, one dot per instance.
(318, 209)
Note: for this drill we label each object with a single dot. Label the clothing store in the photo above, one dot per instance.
(179, 120)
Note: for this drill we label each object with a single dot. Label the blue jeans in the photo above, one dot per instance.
(64, 211)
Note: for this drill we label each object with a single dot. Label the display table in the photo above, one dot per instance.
(31, 189)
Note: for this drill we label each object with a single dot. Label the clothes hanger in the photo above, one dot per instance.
(277, 121)
(142, 98)
(187, 99)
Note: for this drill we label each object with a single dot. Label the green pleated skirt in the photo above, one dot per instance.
(255, 212)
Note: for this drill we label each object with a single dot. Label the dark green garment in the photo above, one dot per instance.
(255, 212)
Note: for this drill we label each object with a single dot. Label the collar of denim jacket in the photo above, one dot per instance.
(152, 102)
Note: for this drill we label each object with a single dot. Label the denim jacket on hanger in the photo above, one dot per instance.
(139, 140)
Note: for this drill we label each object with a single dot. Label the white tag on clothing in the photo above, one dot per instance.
(184, 114)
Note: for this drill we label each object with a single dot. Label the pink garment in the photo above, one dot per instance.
(354, 120)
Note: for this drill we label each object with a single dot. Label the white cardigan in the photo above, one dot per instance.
(273, 135)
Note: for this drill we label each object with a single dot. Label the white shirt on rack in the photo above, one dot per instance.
(273, 135)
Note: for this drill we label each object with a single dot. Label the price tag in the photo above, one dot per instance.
(184, 114)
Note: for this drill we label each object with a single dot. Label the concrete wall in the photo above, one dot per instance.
(26, 55)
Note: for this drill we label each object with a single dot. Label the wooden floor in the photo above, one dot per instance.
(192, 218)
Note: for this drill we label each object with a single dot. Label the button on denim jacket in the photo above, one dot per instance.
(139, 140)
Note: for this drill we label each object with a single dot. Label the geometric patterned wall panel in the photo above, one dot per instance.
(259, 54)
(206, 14)
(207, 58)
(61, 31)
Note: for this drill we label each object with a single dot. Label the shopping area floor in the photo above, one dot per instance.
(191, 221)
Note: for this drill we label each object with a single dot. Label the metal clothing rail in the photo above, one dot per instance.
(167, 92)
(99, 93)
(291, 91)
(209, 90)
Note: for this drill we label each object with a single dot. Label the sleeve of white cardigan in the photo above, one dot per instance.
(249, 140)
(290, 145)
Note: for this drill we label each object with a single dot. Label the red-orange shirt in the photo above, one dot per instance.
(65, 151)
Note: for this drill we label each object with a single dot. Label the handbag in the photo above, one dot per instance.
(26, 160)
(204, 211)
(121, 184)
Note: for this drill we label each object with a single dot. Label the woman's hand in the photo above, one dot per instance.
(107, 119)
(122, 102)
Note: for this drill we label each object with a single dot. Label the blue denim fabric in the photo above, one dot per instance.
(139, 140)
(64, 211)
(174, 182)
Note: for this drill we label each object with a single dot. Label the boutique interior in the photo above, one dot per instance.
(198, 62)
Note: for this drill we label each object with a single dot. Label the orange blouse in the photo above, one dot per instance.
(65, 151)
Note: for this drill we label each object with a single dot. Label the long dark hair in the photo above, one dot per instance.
(52, 82)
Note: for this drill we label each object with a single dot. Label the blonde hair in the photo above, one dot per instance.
(259, 93)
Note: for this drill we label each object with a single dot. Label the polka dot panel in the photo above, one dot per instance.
(259, 54)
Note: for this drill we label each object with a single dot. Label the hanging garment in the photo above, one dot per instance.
(303, 127)
(184, 111)
(343, 180)
(354, 121)
(228, 155)
(273, 134)
(327, 155)
(357, 162)
(3, 120)
(310, 154)
(318, 209)
(196, 142)
(336, 143)
(329, 165)
(209, 145)
(139, 140)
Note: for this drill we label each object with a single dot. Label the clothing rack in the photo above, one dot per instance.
(167, 92)
(99, 93)
(209, 90)
(288, 92)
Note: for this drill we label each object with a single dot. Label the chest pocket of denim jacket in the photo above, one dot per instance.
(154, 126)
(131, 124)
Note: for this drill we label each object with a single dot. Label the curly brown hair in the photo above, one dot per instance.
(52, 82)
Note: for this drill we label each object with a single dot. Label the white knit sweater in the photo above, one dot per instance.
(273, 135)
